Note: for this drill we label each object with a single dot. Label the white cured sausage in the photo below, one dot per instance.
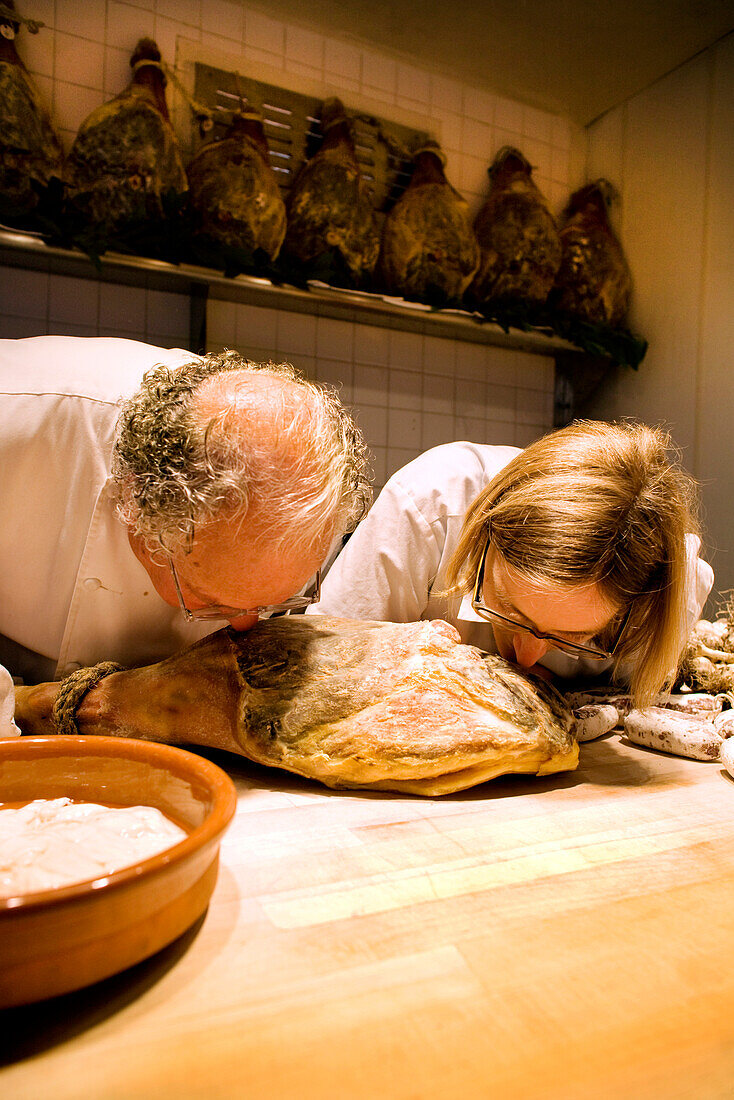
(672, 731)
(594, 721)
(726, 756)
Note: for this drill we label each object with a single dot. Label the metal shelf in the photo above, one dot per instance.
(577, 374)
(28, 251)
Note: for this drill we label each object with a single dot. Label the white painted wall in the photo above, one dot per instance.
(670, 150)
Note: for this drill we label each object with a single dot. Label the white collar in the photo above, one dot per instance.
(467, 613)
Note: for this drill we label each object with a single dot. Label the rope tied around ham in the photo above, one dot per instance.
(72, 691)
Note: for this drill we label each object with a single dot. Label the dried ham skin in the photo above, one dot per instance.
(390, 706)
(593, 281)
(30, 151)
(518, 236)
(329, 206)
(234, 190)
(428, 249)
(125, 159)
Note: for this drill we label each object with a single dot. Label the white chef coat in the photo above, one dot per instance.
(395, 562)
(71, 590)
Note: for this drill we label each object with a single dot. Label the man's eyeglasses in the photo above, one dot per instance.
(218, 611)
(597, 652)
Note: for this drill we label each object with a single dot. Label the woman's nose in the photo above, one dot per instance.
(245, 622)
(528, 648)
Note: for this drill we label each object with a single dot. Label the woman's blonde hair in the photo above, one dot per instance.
(597, 503)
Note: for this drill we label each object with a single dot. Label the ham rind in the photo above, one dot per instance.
(395, 706)
(389, 706)
(330, 216)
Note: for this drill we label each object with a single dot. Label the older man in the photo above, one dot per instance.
(148, 495)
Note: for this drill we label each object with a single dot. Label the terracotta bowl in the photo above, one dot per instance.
(57, 940)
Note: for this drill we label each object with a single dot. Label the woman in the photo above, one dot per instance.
(579, 553)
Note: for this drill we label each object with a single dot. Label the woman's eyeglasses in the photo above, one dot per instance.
(596, 651)
(218, 611)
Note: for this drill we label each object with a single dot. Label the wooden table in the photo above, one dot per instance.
(562, 938)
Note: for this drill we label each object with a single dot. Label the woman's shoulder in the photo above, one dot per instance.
(454, 466)
(443, 481)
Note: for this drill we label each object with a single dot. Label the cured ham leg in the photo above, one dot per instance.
(392, 706)
(428, 249)
(517, 234)
(330, 216)
(593, 281)
(125, 163)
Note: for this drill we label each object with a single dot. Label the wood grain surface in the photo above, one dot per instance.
(563, 938)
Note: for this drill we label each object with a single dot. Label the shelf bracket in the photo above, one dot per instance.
(199, 295)
(578, 376)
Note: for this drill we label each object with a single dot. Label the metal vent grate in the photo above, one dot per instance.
(291, 122)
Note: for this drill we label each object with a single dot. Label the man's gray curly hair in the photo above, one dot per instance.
(192, 446)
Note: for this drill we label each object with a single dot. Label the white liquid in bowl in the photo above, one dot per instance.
(56, 842)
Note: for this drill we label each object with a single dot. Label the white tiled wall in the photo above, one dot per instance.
(411, 390)
(33, 304)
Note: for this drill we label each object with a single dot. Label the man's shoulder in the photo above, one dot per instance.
(101, 368)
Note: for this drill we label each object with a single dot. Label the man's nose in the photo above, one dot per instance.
(528, 648)
(245, 622)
